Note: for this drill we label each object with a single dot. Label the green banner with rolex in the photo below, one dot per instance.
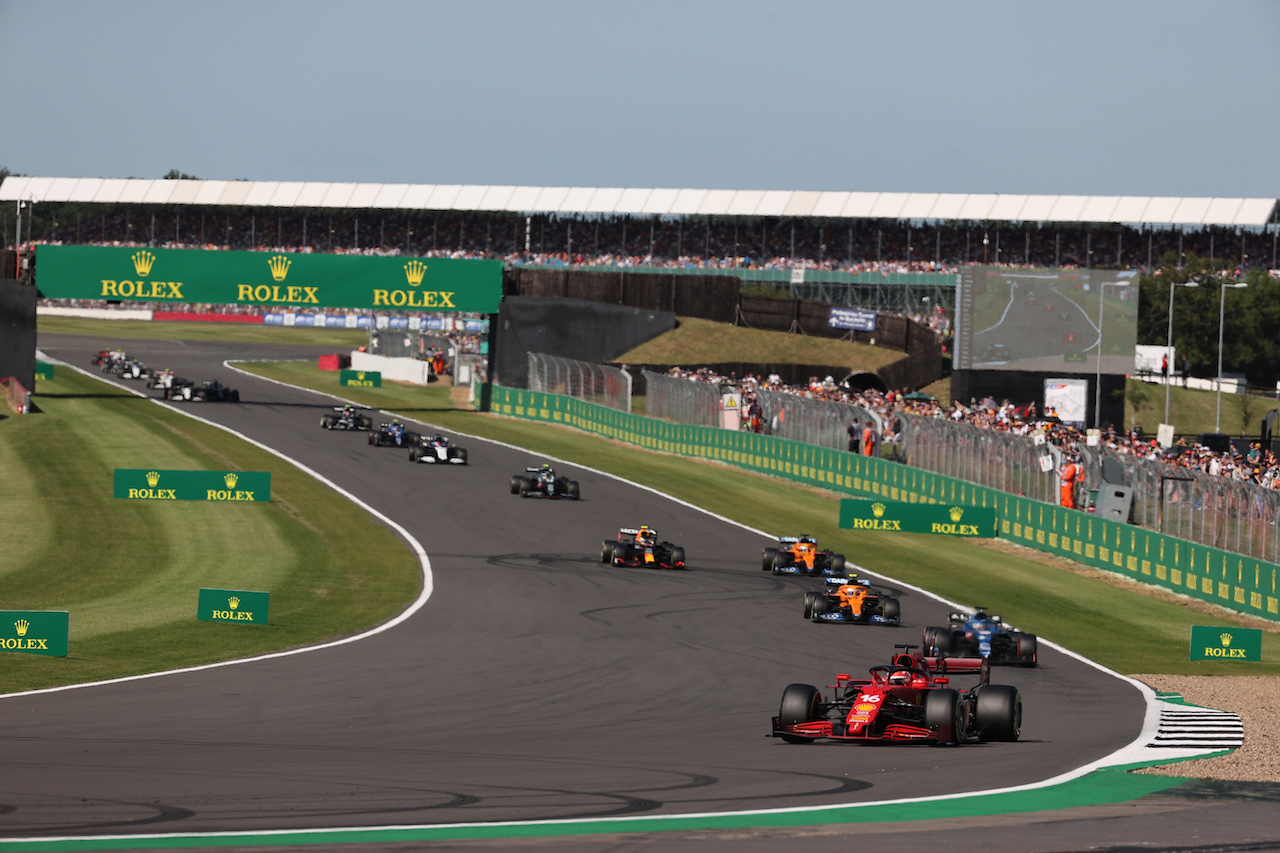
(242, 606)
(1216, 643)
(35, 632)
(140, 484)
(44, 371)
(859, 514)
(270, 279)
(360, 378)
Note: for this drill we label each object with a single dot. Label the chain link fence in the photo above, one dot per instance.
(582, 380)
(682, 401)
(819, 422)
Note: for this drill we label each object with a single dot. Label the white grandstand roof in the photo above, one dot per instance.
(1144, 210)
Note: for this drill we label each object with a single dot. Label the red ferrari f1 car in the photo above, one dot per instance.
(904, 701)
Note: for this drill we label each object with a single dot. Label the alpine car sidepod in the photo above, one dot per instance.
(904, 701)
(851, 600)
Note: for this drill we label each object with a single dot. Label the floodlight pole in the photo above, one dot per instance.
(1222, 315)
(1169, 342)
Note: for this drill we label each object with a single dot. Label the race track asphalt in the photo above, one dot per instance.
(535, 683)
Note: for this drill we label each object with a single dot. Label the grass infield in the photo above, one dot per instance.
(129, 572)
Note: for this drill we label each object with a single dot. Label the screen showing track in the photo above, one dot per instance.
(1046, 320)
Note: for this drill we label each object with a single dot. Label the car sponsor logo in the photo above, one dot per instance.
(864, 706)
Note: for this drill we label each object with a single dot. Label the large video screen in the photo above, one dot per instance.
(1056, 321)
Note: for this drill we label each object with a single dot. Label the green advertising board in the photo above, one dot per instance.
(859, 514)
(274, 279)
(241, 606)
(1214, 643)
(35, 632)
(142, 485)
(44, 371)
(360, 378)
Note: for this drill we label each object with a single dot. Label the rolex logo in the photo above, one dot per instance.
(21, 627)
(233, 602)
(360, 375)
(414, 271)
(153, 477)
(956, 513)
(142, 262)
(1226, 640)
(279, 266)
(230, 480)
(877, 509)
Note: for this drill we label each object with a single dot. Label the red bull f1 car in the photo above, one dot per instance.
(851, 600)
(639, 546)
(905, 701)
(800, 555)
(971, 638)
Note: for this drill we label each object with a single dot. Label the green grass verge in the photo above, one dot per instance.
(342, 340)
(129, 571)
(1126, 630)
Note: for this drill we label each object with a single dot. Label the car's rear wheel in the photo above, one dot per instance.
(998, 712)
(941, 711)
(837, 563)
(799, 705)
(1026, 649)
(890, 609)
(766, 559)
(364, 423)
(373, 438)
(606, 551)
(328, 421)
(517, 485)
(932, 643)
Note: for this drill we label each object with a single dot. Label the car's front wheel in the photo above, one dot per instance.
(942, 712)
(766, 559)
(799, 705)
(997, 714)
(606, 551)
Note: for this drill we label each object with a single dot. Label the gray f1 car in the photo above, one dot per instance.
(347, 417)
(543, 482)
(437, 450)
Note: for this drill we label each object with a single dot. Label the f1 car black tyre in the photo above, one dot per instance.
(606, 551)
(517, 485)
(373, 438)
(779, 560)
(997, 714)
(821, 604)
(677, 556)
(837, 563)
(930, 642)
(461, 456)
(572, 490)
(799, 705)
(364, 423)
(328, 421)
(413, 454)
(890, 609)
(809, 598)
(1026, 645)
(235, 396)
(766, 559)
(942, 707)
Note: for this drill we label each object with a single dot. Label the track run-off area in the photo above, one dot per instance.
(533, 696)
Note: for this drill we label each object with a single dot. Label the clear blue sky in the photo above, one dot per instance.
(1105, 97)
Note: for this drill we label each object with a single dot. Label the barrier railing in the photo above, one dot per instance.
(684, 401)
(582, 380)
(1243, 583)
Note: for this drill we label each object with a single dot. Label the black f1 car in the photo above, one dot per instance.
(347, 417)
(208, 391)
(799, 555)
(438, 451)
(393, 434)
(851, 600)
(970, 638)
(639, 546)
(543, 482)
(904, 701)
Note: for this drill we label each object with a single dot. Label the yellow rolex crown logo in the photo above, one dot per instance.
(1226, 639)
(230, 480)
(21, 627)
(956, 513)
(279, 266)
(233, 602)
(414, 271)
(153, 477)
(877, 509)
(360, 375)
(142, 262)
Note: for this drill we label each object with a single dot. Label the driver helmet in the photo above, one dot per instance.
(900, 677)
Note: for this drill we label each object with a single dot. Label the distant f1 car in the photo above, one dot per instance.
(639, 546)
(131, 368)
(543, 482)
(437, 450)
(969, 639)
(904, 701)
(346, 417)
(208, 391)
(393, 434)
(851, 600)
(799, 555)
